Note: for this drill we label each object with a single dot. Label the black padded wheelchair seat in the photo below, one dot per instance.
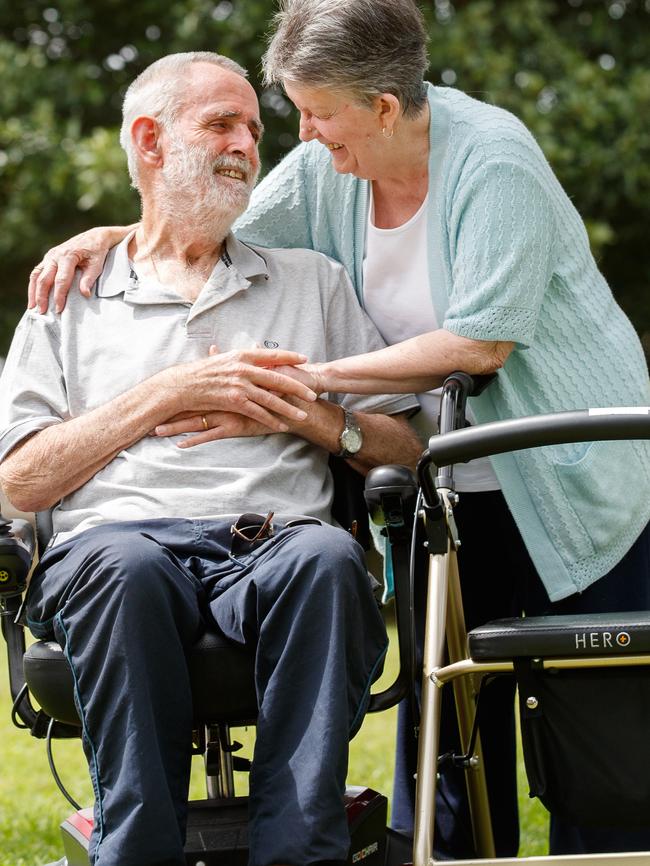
(221, 674)
(564, 636)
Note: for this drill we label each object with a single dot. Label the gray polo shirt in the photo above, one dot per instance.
(62, 366)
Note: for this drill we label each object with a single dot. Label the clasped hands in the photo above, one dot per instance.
(238, 393)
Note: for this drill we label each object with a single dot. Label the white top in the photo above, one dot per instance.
(397, 298)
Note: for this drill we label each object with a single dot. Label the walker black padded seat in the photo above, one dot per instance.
(561, 636)
(221, 673)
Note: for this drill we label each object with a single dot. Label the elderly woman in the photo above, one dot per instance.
(466, 253)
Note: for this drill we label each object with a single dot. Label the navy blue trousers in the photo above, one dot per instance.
(498, 579)
(126, 600)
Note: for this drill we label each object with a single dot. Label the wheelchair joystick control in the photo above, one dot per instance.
(17, 546)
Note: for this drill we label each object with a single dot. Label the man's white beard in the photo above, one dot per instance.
(196, 196)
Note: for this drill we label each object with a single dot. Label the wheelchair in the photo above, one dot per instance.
(554, 659)
(223, 694)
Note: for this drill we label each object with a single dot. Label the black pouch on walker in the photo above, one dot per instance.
(586, 742)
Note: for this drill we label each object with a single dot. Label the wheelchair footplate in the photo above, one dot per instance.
(217, 831)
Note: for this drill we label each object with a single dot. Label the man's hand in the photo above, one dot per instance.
(220, 425)
(56, 270)
(246, 383)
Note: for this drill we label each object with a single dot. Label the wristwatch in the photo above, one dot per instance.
(351, 439)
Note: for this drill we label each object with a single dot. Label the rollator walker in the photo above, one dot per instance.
(559, 662)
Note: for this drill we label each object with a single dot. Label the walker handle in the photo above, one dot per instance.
(456, 388)
(497, 437)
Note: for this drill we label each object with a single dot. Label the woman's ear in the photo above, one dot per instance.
(145, 135)
(388, 109)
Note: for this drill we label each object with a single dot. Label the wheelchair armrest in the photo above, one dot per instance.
(14, 635)
(17, 552)
(348, 506)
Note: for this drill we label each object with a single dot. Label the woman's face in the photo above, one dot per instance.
(351, 132)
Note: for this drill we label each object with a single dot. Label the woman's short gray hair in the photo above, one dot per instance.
(365, 47)
(159, 92)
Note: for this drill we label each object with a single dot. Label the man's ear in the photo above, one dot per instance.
(145, 135)
(388, 110)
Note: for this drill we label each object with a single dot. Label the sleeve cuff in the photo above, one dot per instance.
(15, 435)
(496, 323)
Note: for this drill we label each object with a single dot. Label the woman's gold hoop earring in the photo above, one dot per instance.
(389, 134)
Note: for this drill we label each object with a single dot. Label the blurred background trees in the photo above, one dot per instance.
(575, 71)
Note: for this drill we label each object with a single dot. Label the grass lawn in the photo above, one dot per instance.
(31, 806)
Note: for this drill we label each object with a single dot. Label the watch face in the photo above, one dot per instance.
(351, 440)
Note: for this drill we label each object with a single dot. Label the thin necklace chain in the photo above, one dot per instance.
(151, 255)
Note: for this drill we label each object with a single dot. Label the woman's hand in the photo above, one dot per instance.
(308, 374)
(86, 251)
(211, 426)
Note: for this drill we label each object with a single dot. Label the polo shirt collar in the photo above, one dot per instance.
(117, 275)
(249, 262)
(241, 264)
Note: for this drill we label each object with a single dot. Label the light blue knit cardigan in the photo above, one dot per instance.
(509, 259)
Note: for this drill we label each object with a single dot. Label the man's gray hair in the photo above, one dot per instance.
(159, 92)
(365, 47)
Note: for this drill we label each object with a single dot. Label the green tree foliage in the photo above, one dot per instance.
(576, 72)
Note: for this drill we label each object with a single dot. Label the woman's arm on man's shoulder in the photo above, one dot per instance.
(86, 251)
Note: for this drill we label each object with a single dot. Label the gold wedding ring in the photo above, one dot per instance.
(205, 422)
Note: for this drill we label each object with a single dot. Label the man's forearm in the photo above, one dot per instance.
(46, 467)
(386, 438)
(59, 459)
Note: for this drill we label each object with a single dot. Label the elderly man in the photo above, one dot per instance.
(183, 325)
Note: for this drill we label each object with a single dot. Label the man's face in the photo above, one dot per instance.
(211, 159)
